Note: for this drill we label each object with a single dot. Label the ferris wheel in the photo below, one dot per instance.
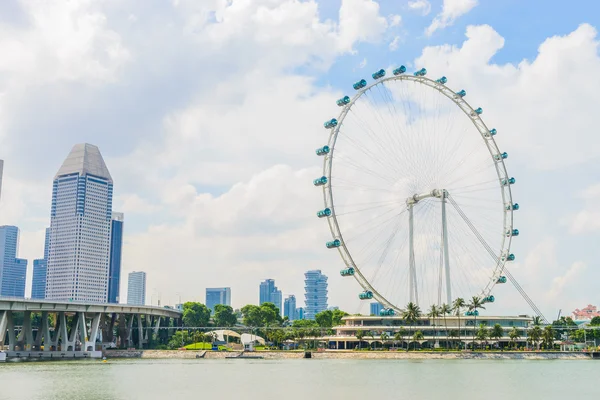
(416, 193)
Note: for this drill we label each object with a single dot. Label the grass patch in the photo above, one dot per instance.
(203, 346)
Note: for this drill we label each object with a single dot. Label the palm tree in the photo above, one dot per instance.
(445, 309)
(497, 333)
(474, 305)
(411, 315)
(537, 320)
(514, 335)
(418, 336)
(399, 336)
(535, 334)
(458, 305)
(482, 334)
(359, 335)
(383, 336)
(434, 312)
(548, 337)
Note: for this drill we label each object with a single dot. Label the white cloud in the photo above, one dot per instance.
(587, 220)
(394, 44)
(360, 21)
(363, 63)
(451, 10)
(395, 20)
(421, 6)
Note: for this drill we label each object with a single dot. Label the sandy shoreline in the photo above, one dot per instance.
(387, 355)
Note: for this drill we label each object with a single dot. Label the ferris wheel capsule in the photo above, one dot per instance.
(461, 93)
(333, 244)
(343, 101)
(509, 181)
(477, 111)
(360, 84)
(347, 271)
(501, 156)
(321, 151)
(400, 70)
(320, 181)
(501, 279)
(421, 72)
(366, 295)
(331, 123)
(379, 74)
(324, 213)
(489, 299)
(514, 232)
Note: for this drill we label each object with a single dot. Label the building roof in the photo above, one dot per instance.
(84, 158)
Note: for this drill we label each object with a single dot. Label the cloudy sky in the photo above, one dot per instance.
(208, 113)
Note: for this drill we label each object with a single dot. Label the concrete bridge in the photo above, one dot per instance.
(57, 329)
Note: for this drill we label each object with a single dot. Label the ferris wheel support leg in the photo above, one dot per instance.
(445, 244)
(414, 298)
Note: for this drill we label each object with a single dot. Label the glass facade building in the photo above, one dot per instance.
(315, 293)
(216, 296)
(40, 269)
(116, 245)
(12, 269)
(289, 307)
(376, 308)
(268, 293)
(80, 228)
(136, 288)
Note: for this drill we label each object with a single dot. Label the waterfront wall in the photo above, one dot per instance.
(399, 355)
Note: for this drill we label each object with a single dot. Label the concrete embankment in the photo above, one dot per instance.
(388, 355)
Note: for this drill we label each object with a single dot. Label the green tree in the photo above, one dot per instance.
(579, 336)
(251, 315)
(548, 337)
(458, 306)
(270, 314)
(595, 321)
(360, 335)
(535, 335)
(399, 336)
(445, 309)
(514, 335)
(179, 339)
(418, 335)
(383, 336)
(195, 314)
(496, 333)
(411, 315)
(475, 304)
(324, 319)
(537, 320)
(482, 334)
(336, 319)
(224, 316)
(434, 313)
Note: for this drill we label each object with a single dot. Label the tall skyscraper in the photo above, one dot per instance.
(80, 226)
(136, 289)
(116, 245)
(216, 296)
(12, 269)
(40, 269)
(268, 292)
(300, 313)
(376, 308)
(289, 307)
(315, 293)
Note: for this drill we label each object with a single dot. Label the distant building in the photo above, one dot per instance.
(12, 269)
(289, 307)
(300, 313)
(80, 227)
(268, 293)
(315, 293)
(116, 245)
(136, 288)
(40, 269)
(586, 313)
(376, 308)
(216, 296)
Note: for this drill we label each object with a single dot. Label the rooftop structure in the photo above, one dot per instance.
(586, 313)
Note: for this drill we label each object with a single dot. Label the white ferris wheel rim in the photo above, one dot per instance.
(493, 149)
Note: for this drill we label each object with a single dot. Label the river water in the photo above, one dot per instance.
(301, 379)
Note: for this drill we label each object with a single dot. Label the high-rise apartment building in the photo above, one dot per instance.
(289, 307)
(300, 313)
(80, 228)
(376, 308)
(12, 269)
(40, 269)
(116, 245)
(268, 292)
(216, 296)
(136, 289)
(315, 293)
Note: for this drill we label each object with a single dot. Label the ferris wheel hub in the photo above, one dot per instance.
(438, 193)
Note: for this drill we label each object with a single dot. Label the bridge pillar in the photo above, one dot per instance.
(41, 331)
(25, 338)
(140, 331)
(90, 342)
(130, 331)
(10, 325)
(157, 326)
(3, 325)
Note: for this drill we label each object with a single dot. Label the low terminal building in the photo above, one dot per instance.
(451, 331)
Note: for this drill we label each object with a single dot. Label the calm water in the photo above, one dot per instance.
(301, 379)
